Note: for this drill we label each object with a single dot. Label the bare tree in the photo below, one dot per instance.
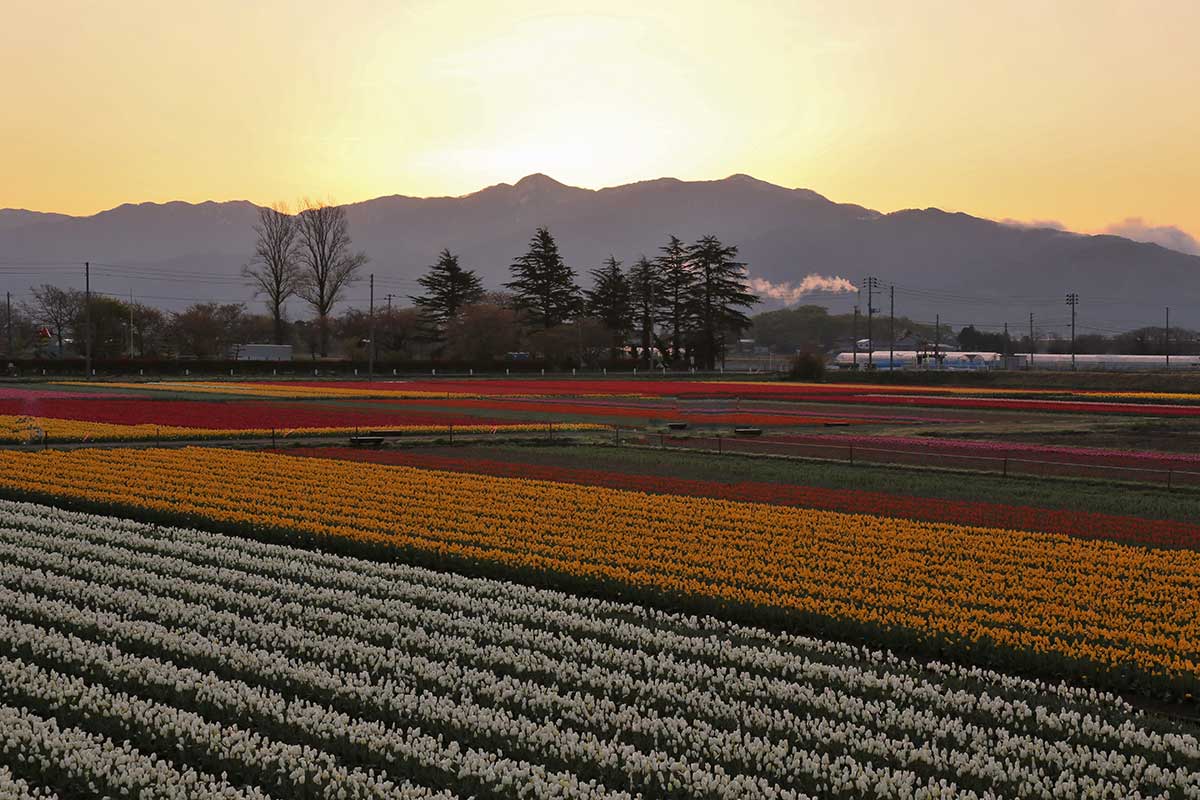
(273, 271)
(56, 309)
(327, 264)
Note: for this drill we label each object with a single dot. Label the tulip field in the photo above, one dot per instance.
(515, 588)
(149, 661)
(1130, 619)
(1088, 524)
(66, 418)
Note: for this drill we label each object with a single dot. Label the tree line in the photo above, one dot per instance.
(684, 304)
(680, 308)
(811, 328)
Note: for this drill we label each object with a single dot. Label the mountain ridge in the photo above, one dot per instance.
(783, 233)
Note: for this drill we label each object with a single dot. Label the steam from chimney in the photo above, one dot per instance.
(811, 284)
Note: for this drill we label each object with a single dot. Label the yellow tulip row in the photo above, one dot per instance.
(35, 429)
(1106, 603)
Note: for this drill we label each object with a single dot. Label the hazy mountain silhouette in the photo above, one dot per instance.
(17, 217)
(969, 270)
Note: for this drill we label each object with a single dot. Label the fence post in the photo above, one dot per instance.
(451, 434)
(662, 440)
(1005, 472)
(719, 448)
(1169, 472)
(851, 454)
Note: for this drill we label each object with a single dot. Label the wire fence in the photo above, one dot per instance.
(850, 453)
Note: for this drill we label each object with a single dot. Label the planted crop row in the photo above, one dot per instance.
(1094, 610)
(204, 665)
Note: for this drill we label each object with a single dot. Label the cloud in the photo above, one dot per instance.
(1168, 236)
(1034, 223)
(811, 284)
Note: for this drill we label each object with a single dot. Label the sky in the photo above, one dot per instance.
(1081, 114)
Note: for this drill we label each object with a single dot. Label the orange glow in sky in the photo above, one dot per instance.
(1081, 112)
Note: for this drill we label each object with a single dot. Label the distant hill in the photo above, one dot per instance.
(17, 217)
(966, 269)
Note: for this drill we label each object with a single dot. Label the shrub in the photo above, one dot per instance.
(807, 366)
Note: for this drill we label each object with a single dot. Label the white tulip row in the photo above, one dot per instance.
(14, 788)
(100, 766)
(379, 672)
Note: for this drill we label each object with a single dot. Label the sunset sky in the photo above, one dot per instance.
(1085, 113)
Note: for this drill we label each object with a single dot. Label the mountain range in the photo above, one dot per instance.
(966, 269)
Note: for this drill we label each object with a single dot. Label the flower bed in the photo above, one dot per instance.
(263, 671)
(232, 415)
(32, 430)
(1083, 524)
(1128, 618)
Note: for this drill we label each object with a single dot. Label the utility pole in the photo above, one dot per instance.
(854, 330)
(1032, 341)
(1006, 345)
(1072, 301)
(371, 343)
(87, 320)
(8, 320)
(937, 340)
(892, 330)
(872, 282)
(1166, 338)
(131, 324)
(391, 323)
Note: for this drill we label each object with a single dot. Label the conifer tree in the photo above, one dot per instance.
(716, 297)
(448, 290)
(646, 290)
(677, 281)
(543, 286)
(610, 301)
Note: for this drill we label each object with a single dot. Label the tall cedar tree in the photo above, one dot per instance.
(719, 291)
(273, 271)
(646, 292)
(543, 286)
(448, 290)
(678, 283)
(611, 301)
(327, 264)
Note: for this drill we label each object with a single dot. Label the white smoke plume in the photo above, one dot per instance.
(1169, 236)
(811, 284)
(1033, 224)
